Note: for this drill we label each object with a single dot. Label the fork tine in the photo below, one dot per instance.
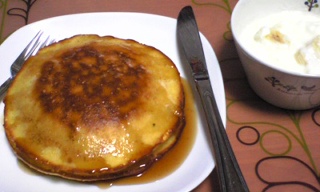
(31, 49)
(37, 47)
(32, 45)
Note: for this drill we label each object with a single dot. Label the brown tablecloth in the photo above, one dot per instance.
(278, 150)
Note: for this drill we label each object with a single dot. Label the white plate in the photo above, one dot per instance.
(153, 30)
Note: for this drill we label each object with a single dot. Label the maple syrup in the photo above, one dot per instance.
(175, 157)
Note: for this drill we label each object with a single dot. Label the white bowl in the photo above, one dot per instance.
(278, 86)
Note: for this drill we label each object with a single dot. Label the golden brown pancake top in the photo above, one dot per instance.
(94, 108)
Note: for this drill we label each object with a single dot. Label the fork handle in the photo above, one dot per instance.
(4, 87)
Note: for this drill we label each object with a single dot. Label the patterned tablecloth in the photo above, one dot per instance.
(277, 149)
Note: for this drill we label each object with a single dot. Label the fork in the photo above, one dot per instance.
(34, 45)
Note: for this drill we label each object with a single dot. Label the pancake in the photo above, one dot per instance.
(91, 108)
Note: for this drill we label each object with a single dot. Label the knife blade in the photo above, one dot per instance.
(229, 173)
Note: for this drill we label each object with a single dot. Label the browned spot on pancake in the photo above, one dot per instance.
(90, 84)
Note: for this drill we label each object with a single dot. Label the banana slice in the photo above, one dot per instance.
(272, 35)
(310, 55)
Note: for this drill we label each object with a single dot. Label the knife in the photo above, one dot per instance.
(229, 173)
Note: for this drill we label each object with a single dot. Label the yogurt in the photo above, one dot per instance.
(288, 40)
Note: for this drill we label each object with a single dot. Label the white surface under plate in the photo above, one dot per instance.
(153, 30)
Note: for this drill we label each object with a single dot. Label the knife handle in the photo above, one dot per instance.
(230, 176)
